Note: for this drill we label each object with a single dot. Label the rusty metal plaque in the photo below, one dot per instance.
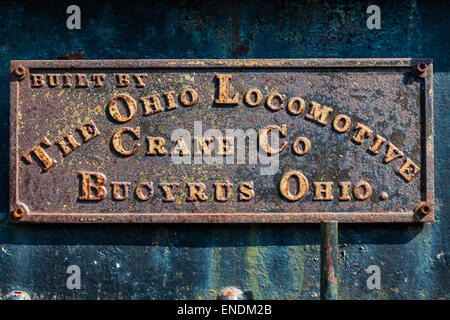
(145, 141)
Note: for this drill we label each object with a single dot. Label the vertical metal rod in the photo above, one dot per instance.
(328, 260)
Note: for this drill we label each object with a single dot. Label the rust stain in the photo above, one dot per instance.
(329, 263)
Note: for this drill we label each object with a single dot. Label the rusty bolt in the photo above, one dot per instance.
(230, 293)
(421, 67)
(21, 72)
(18, 295)
(18, 213)
(425, 209)
(384, 196)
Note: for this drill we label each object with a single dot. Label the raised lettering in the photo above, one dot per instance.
(156, 146)
(44, 159)
(140, 193)
(246, 192)
(296, 101)
(341, 123)
(379, 140)
(196, 192)
(88, 131)
(345, 194)
(180, 148)
(68, 144)
(129, 103)
(253, 97)
(117, 194)
(37, 80)
(264, 141)
(362, 132)
(98, 78)
(117, 141)
(140, 79)
(301, 182)
(303, 150)
(122, 80)
(224, 90)
(168, 191)
(318, 113)
(92, 186)
(408, 170)
(53, 80)
(170, 100)
(81, 80)
(203, 146)
(362, 191)
(270, 101)
(392, 153)
(322, 191)
(188, 97)
(225, 146)
(223, 191)
(151, 105)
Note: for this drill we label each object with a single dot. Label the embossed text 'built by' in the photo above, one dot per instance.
(226, 141)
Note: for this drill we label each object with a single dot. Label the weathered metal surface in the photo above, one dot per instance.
(96, 141)
(196, 261)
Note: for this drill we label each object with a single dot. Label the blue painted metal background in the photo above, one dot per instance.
(196, 261)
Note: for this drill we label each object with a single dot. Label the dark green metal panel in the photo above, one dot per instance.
(197, 261)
